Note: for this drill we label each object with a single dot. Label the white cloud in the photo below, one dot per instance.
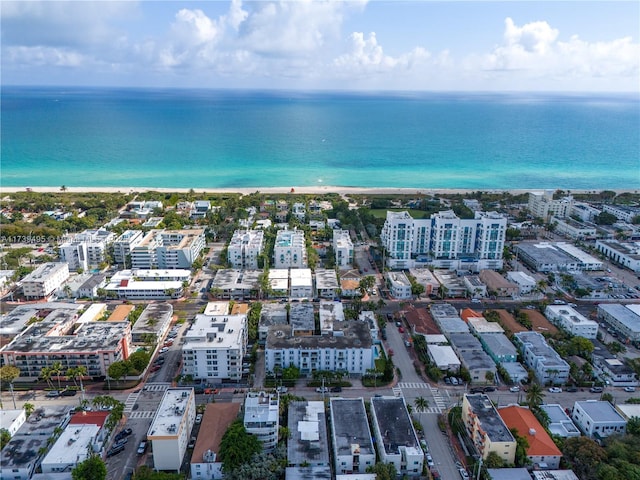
(536, 51)
(59, 57)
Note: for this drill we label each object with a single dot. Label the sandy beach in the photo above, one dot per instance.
(319, 189)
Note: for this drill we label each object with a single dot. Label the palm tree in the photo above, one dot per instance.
(535, 395)
(29, 408)
(421, 404)
(46, 374)
(56, 369)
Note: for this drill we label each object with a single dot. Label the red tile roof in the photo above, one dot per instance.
(421, 321)
(527, 425)
(90, 418)
(468, 313)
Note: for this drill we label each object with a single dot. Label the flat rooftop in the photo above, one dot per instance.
(308, 442)
(169, 420)
(350, 426)
(601, 411)
(44, 271)
(394, 424)
(354, 335)
(489, 418)
(216, 332)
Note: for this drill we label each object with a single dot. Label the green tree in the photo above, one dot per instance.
(93, 468)
(56, 371)
(489, 376)
(117, 370)
(584, 455)
(535, 395)
(139, 360)
(8, 373)
(147, 473)
(28, 408)
(633, 426)
(237, 446)
(5, 437)
(384, 471)
(494, 461)
(522, 445)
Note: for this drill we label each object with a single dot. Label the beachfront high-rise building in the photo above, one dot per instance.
(543, 205)
(290, 250)
(445, 240)
(167, 249)
(244, 249)
(87, 249)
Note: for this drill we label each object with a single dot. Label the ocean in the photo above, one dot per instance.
(96, 137)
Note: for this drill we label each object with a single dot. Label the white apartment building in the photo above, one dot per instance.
(73, 446)
(168, 249)
(626, 254)
(171, 427)
(395, 436)
(301, 283)
(349, 348)
(598, 419)
(445, 240)
(214, 346)
(547, 365)
(244, 249)
(148, 284)
(622, 212)
(352, 444)
(343, 249)
(290, 250)
(572, 229)
(45, 280)
(200, 209)
(262, 418)
(123, 244)
(326, 283)
(584, 211)
(572, 321)
(542, 204)
(87, 249)
(399, 285)
(526, 283)
(299, 211)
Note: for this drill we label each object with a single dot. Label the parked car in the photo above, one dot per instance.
(281, 389)
(115, 450)
(142, 447)
(199, 418)
(572, 389)
(68, 393)
(401, 330)
(596, 389)
(447, 380)
(477, 390)
(429, 460)
(476, 300)
(555, 390)
(463, 473)
(489, 389)
(336, 389)
(123, 434)
(322, 389)
(121, 442)
(53, 394)
(164, 349)
(515, 388)
(454, 381)
(629, 389)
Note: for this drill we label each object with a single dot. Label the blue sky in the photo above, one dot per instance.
(502, 46)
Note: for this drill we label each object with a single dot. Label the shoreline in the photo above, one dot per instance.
(308, 190)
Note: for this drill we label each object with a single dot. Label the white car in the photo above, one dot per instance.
(463, 473)
(164, 349)
(555, 390)
(281, 389)
(199, 418)
(515, 388)
(429, 460)
(629, 389)
(322, 389)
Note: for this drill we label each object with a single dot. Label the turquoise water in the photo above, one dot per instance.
(226, 139)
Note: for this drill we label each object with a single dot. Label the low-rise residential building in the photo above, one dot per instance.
(236, 284)
(308, 443)
(326, 283)
(349, 349)
(170, 429)
(626, 254)
(86, 250)
(424, 277)
(84, 435)
(369, 318)
(444, 357)
(623, 319)
(486, 429)
(469, 349)
(200, 209)
(214, 347)
(12, 420)
(547, 365)
(498, 285)
(271, 314)
(301, 283)
(544, 257)
(515, 370)
(543, 205)
(481, 326)
(554, 475)
(123, 244)
(526, 283)
(261, 417)
(152, 324)
(573, 229)
(598, 419)
(89, 288)
(302, 319)
(16, 321)
(474, 285)
(245, 248)
(499, 347)
(399, 285)
(45, 280)
(542, 451)
(353, 450)
(290, 250)
(622, 212)
(586, 262)
(141, 209)
(571, 321)
(21, 457)
(609, 368)
(279, 282)
(329, 313)
(395, 436)
(94, 345)
(148, 284)
(168, 249)
(584, 211)
(560, 423)
(205, 462)
(447, 318)
(299, 211)
(343, 249)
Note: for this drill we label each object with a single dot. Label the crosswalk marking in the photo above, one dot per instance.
(130, 402)
(156, 387)
(414, 385)
(397, 391)
(142, 414)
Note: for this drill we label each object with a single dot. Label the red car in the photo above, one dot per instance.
(401, 330)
